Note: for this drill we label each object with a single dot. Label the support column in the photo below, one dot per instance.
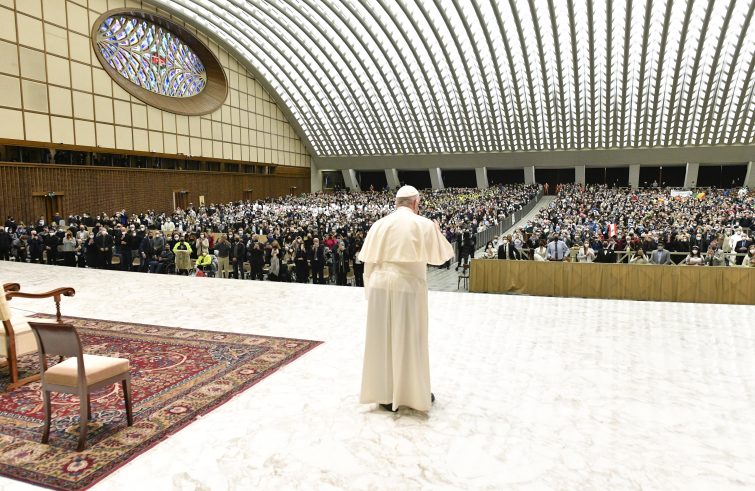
(481, 173)
(391, 176)
(634, 176)
(579, 174)
(750, 176)
(436, 178)
(315, 178)
(690, 177)
(529, 175)
(350, 179)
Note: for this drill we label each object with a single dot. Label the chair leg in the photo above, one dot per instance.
(48, 415)
(83, 419)
(127, 400)
(89, 406)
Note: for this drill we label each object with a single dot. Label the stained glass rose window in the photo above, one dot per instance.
(150, 56)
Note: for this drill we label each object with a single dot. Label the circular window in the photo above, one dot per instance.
(159, 62)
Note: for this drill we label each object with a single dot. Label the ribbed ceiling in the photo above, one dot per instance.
(384, 77)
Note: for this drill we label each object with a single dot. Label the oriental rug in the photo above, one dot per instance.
(177, 375)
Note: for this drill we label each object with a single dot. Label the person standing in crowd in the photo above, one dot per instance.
(51, 246)
(585, 254)
(694, 258)
(104, 245)
(223, 252)
(238, 256)
(541, 251)
(69, 250)
(275, 265)
(742, 245)
(300, 260)
(661, 256)
(21, 248)
(146, 253)
(257, 260)
(507, 250)
(341, 263)
(606, 254)
(182, 251)
(6, 241)
(396, 252)
(639, 258)
(749, 259)
(715, 255)
(317, 260)
(358, 266)
(557, 249)
(202, 244)
(466, 243)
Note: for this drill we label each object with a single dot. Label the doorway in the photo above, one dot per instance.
(180, 199)
(53, 205)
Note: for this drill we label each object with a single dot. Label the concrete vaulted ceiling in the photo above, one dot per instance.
(424, 77)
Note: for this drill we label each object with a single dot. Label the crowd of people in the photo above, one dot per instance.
(600, 224)
(290, 238)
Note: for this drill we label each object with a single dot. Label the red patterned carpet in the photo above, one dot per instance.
(177, 375)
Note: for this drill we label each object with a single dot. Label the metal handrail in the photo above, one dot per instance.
(490, 233)
(621, 255)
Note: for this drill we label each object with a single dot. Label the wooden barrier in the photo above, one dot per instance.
(697, 284)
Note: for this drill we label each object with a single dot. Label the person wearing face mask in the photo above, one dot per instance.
(300, 260)
(238, 256)
(660, 256)
(341, 263)
(585, 254)
(639, 257)
(557, 249)
(715, 255)
(104, 245)
(182, 250)
(742, 245)
(694, 258)
(223, 253)
(606, 254)
(490, 251)
(507, 250)
(134, 240)
(202, 244)
(749, 260)
(540, 252)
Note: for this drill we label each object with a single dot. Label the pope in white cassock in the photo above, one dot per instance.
(395, 254)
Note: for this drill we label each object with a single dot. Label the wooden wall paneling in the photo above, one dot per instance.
(100, 189)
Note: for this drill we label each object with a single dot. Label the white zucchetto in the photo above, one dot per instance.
(407, 192)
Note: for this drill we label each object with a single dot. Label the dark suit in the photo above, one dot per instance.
(317, 258)
(606, 256)
(740, 247)
(104, 245)
(508, 251)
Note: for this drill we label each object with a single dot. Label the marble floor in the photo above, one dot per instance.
(543, 393)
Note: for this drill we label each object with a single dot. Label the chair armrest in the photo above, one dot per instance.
(11, 287)
(66, 291)
(55, 294)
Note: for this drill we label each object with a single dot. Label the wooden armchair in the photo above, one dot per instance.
(17, 337)
(79, 375)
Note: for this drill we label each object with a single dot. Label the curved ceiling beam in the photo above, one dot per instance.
(414, 77)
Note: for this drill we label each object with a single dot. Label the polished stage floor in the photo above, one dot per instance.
(532, 392)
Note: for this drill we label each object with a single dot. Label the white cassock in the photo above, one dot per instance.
(396, 253)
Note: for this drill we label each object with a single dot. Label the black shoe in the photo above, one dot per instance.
(389, 407)
(432, 398)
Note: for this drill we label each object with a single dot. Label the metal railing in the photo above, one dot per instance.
(487, 235)
(622, 256)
